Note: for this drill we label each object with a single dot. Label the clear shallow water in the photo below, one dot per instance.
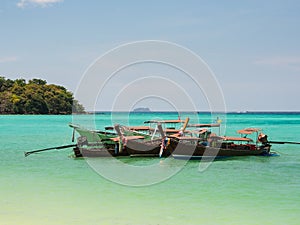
(54, 188)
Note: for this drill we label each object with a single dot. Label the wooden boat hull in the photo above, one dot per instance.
(190, 149)
(208, 158)
(146, 148)
(132, 148)
(98, 152)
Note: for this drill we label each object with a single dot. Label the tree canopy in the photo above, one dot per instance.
(36, 97)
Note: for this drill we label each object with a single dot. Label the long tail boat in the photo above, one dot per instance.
(94, 143)
(211, 145)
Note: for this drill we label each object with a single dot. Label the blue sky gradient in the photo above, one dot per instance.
(251, 46)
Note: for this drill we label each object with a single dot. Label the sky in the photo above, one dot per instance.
(252, 47)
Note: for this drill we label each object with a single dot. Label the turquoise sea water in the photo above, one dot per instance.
(54, 188)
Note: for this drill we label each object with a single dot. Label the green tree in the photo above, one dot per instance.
(6, 84)
(35, 103)
(20, 82)
(6, 106)
(2, 81)
(58, 99)
(37, 81)
(18, 104)
(36, 97)
(77, 107)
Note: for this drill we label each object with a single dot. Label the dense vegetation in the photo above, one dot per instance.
(35, 97)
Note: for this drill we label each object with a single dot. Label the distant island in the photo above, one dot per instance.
(36, 97)
(142, 109)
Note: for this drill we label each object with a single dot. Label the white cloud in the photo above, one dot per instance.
(40, 3)
(8, 59)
